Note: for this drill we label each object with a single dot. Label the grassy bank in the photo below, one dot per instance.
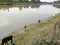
(34, 33)
(29, 35)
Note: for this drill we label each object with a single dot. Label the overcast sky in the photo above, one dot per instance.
(47, 0)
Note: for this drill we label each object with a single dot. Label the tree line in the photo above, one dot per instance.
(19, 1)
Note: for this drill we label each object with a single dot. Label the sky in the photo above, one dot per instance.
(48, 0)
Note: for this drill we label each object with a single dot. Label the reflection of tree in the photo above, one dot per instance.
(57, 1)
(6, 7)
(57, 6)
(35, 6)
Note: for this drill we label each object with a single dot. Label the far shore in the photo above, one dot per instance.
(18, 3)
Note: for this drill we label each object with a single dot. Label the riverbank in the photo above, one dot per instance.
(20, 3)
(26, 36)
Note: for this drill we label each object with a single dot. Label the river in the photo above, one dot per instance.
(14, 17)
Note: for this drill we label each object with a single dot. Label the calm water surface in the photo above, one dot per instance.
(13, 18)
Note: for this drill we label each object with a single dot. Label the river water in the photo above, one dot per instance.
(15, 17)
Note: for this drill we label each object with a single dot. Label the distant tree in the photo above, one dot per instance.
(35, 1)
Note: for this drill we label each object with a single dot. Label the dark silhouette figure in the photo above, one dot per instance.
(6, 39)
(25, 26)
(39, 20)
(59, 25)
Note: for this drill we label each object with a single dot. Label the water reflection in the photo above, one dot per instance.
(57, 6)
(17, 16)
(4, 7)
